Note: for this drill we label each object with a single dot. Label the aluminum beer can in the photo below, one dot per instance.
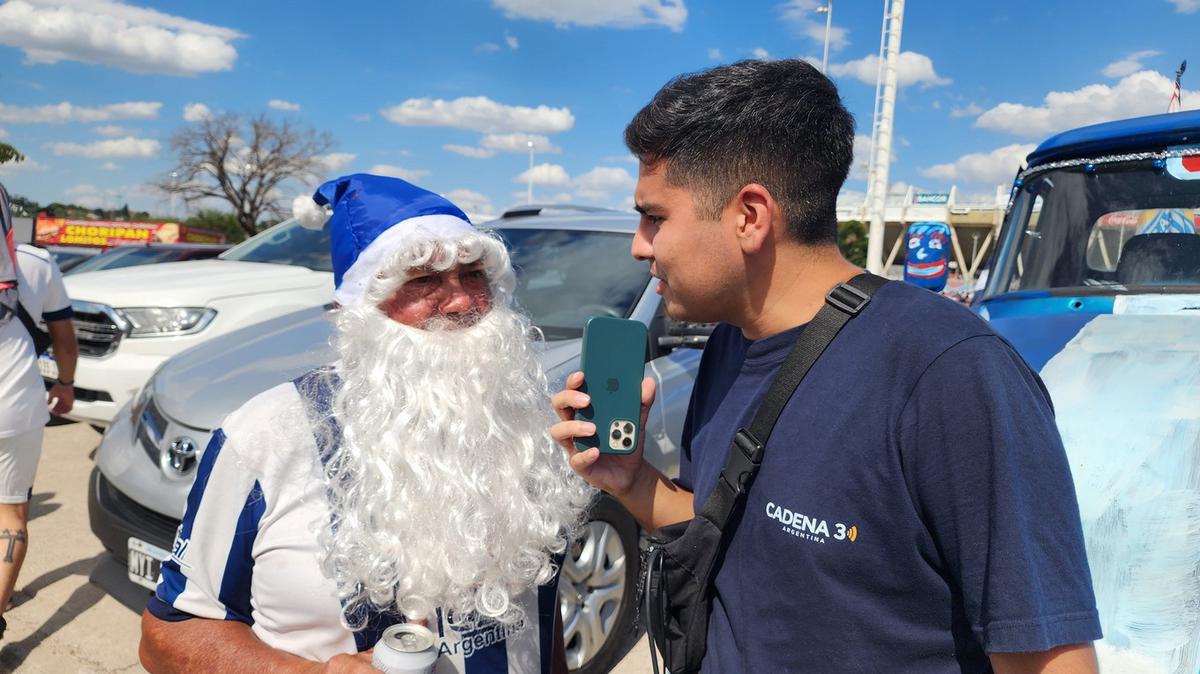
(405, 649)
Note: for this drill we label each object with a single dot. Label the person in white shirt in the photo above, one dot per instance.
(413, 480)
(23, 400)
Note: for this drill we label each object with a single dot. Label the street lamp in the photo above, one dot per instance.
(174, 190)
(529, 190)
(827, 10)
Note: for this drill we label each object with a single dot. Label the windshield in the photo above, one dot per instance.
(125, 257)
(566, 276)
(1103, 228)
(286, 243)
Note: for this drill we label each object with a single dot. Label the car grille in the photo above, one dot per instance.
(150, 429)
(153, 527)
(96, 329)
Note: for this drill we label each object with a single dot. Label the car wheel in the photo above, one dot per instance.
(598, 590)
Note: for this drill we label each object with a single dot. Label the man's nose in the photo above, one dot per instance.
(455, 298)
(643, 243)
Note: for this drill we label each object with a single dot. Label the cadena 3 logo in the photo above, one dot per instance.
(811, 528)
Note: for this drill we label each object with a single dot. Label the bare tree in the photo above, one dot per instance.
(245, 164)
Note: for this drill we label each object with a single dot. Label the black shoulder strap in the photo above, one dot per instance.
(842, 303)
(41, 338)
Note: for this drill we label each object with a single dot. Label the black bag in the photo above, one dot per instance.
(683, 558)
(41, 338)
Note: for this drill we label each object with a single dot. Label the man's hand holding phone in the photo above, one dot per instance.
(614, 473)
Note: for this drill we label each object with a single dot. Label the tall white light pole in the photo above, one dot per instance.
(174, 183)
(529, 189)
(827, 10)
(882, 152)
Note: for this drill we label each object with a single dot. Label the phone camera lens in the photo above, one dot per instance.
(627, 442)
(628, 427)
(616, 434)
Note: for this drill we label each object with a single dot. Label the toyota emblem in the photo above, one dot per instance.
(180, 456)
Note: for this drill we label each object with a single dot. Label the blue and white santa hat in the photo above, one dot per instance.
(372, 217)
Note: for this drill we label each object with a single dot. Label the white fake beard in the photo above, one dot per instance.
(447, 490)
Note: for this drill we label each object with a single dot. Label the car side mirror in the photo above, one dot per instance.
(686, 335)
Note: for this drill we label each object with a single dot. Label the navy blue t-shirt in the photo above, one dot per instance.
(914, 510)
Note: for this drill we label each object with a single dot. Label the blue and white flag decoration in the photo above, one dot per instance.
(925, 260)
(370, 217)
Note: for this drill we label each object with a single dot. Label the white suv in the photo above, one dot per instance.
(128, 321)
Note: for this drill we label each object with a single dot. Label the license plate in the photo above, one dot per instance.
(48, 367)
(144, 562)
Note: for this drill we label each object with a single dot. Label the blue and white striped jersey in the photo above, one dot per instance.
(247, 550)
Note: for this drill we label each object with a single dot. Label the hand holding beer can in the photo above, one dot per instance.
(406, 648)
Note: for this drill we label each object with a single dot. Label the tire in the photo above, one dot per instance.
(598, 590)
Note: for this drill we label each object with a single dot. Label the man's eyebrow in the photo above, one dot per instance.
(645, 209)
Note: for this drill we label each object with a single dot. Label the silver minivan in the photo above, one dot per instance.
(571, 264)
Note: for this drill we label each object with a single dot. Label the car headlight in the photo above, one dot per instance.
(166, 321)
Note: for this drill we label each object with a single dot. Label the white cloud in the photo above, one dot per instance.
(760, 53)
(519, 142)
(488, 47)
(334, 161)
(361, 118)
(551, 175)
(602, 181)
(110, 166)
(862, 157)
(279, 104)
(995, 167)
(479, 113)
(112, 130)
(121, 147)
(195, 112)
(82, 188)
(477, 206)
(469, 151)
(970, 110)
(612, 13)
(1130, 64)
(714, 54)
(3, 134)
(1142, 93)
(27, 166)
(1186, 6)
(511, 41)
(805, 21)
(67, 112)
(913, 68)
(411, 175)
(108, 32)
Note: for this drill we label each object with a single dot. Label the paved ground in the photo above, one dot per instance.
(74, 611)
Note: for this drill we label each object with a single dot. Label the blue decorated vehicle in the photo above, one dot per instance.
(1096, 281)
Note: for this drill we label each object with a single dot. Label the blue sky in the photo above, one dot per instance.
(446, 94)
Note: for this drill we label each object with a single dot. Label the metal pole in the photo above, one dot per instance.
(883, 140)
(529, 189)
(828, 24)
(865, 214)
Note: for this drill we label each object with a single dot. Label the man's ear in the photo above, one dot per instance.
(757, 217)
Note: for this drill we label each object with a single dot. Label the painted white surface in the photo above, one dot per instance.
(1126, 391)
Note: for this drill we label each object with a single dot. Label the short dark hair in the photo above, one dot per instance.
(780, 124)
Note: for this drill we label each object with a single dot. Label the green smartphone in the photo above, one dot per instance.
(613, 364)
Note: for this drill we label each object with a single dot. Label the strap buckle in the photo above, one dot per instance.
(742, 465)
(847, 298)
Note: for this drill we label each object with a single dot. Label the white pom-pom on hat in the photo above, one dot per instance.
(309, 213)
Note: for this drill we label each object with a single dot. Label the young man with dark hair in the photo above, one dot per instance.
(914, 511)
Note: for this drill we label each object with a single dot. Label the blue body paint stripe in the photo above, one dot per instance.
(239, 566)
(173, 581)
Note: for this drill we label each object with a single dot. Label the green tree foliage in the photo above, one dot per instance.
(218, 221)
(22, 207)
(9, 153)
(852, 239)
